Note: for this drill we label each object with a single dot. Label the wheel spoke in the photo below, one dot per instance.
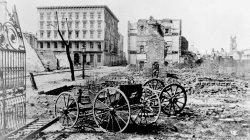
(176, 90)
(64, 101)
(180, 102)
(177, 94)
(164, 95)
(166, 107)
(118, 123)
(174, 107)
(68, 101)
(121, 118)
(102, 103)
(108, 122)
(71, 119)
(112, 123)
(121, 106)
(177, 105)
(137, 114)
(63, 119)
(102, 113)
(170, 95)
(179, 97)
(108, 94)
(73, 114)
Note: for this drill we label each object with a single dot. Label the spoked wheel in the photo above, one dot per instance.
(67, 109)
(149, 109)
(173, 99)
(155, 84)
(111, 110)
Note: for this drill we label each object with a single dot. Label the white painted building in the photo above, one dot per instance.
(94, 28)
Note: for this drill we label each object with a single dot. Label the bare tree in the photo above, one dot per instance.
(67, 44)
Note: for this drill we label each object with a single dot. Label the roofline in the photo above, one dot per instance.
(85, 6)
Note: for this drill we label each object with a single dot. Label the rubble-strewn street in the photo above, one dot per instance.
(114, 70)
(209, 113)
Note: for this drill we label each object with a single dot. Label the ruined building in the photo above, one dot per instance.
(92, 30)
(154, 41)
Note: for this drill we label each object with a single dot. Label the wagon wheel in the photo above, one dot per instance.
(155, 84)
(111, 110)
(149, 109)
(173, 99)
(67, 109)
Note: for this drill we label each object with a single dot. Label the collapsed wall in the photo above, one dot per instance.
(33, 63)
(48, 59)
(63, 61)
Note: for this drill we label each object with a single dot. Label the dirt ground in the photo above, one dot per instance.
(206, 116)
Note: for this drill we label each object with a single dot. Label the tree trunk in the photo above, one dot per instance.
(68, 56)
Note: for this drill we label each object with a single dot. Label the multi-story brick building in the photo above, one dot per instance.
(91, 29)
(139, 41)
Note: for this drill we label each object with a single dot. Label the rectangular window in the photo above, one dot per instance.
(91, 45)
(77, 24)
(41, 34)
(99, 58)
(63, 25)
(99, 24)
(77, 15)
(99, 15)
(84, 34)
(48, 34)
(77, 45)
(49, 24)
(63, 33)
(48, 45)
(77, 34)
(99, 34)
(41, 25)
(63, 46)
(70, 45)
(70, 16)
(48, 16)
(91, 24)
(84, 45)
(91, 15)
(91, 58)
(55, 17)
(70, 25)
(55, 23)
(55, 34)
(41, 44)
(63, 15)
(55, 45)
(70, 34)
(84, 15)
(99, 46)
(91, 34)
(84, 24)
(41, 16)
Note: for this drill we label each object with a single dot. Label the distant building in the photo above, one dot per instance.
(166, 46)
(92, 29)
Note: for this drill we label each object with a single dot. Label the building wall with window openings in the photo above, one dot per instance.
(89, 26)
(139, 48)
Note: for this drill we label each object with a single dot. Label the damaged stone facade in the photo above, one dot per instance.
(153, 40)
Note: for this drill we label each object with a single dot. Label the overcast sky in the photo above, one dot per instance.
(206, 24)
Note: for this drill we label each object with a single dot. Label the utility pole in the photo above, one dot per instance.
(83, 60)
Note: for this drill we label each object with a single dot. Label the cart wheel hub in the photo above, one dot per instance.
(174, 100)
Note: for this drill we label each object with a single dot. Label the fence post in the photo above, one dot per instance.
(33, 82)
